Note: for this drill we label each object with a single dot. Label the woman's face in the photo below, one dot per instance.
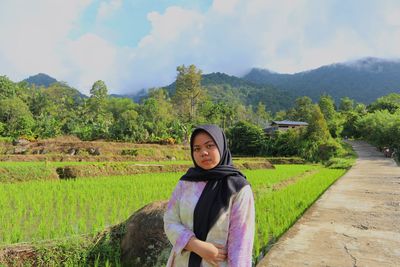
(205, 151)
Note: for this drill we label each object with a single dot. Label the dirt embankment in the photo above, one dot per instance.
(72, 149)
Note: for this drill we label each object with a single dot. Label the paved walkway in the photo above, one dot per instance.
(356, 222)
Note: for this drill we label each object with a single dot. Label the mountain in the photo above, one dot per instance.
(136, 97)
(363, 80)
(230, 89)
(40, 79)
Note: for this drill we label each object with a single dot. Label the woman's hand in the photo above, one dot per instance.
(212, 253)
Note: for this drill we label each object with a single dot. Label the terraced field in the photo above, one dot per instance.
(41, 210)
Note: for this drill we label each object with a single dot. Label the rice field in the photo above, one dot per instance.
(45, 210)
(38, 210)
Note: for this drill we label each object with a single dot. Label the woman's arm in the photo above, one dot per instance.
(177, 233)
(212, 253)
(241, 229)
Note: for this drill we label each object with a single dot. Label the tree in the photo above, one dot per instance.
(317, 129)
(346, 104)
(327, 106)
(98, 97)
(157, 113)
(188, 92)
(217, 113)
(99, 119)
(302, 109)
(15, 114)
(262, 116)
(246, 139)
(7, 87)
(390, 102)
(333, 119)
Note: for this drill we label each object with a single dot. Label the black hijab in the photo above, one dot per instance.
(223, 181)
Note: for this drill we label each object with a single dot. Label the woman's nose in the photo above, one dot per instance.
(204, 152)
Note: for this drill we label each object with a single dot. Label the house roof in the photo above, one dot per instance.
(290, 123)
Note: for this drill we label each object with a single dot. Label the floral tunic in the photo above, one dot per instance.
(234, 229)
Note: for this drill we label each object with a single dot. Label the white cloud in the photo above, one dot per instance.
(224, 6)
(107, 8)
(285, 36)
(232, 36)
(32, 35)
(91, 58)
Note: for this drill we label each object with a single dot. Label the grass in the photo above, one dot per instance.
(65, 210)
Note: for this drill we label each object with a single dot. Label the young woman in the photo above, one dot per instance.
(210, 216)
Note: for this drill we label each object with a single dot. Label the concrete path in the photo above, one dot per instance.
(356, 222)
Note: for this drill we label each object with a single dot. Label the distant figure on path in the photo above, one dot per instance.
(210, 216)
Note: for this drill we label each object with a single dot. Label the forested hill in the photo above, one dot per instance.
(363, 80)
(41, 79)
(230, 89)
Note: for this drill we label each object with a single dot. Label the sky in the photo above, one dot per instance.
(137, 44)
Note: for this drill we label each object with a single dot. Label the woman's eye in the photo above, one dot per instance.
(210, 146)
(196, 149)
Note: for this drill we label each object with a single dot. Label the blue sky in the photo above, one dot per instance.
(135, 44)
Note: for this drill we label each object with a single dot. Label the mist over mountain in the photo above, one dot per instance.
(363, 80)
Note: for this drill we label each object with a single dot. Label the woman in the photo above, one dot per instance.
(210, 216)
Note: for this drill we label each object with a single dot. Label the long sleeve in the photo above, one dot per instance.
(241, 229)
(177, 233)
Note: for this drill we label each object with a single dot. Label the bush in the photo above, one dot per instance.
(246, 139)
(129, 152)
(328, 150)
(339, 163)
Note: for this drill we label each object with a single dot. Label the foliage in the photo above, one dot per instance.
(285, 143)
(188, 92)
(129, 152)
(7, 87)
(381, 128)
(390, 102)
(301, 110)
(15, 114)
(246, 139)
(332, 117)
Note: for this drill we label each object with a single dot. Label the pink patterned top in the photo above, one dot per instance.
(234, 229)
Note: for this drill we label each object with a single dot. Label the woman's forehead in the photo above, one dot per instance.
(202, 138)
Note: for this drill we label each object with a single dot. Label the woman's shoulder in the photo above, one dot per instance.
(237, 183)
(184, 185)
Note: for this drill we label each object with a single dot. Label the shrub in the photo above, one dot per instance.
(328, 149)
(129, 152)
(246, 139)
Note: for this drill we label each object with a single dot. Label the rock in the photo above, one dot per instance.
(93, 151)
(67, 172)
(72, 151)
(20, 150)
(20, 142)
(145, 243)
(171, 157)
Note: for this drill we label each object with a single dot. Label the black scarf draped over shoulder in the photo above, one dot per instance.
(223, 181)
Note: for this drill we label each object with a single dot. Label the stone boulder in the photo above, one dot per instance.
(145, 243)
(93, 151)
(20, 142)
(73, 151)
(20, 150)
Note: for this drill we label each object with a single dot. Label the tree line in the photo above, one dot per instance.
(168, 117)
